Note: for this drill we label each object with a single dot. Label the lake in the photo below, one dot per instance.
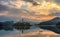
(32, 32)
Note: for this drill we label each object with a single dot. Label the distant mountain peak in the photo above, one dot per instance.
(51, 22)
(56, 18)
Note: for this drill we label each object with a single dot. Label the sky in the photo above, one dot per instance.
(33, 10)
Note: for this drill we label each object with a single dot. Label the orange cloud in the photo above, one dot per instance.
(39, 12)
(45, 8)
(36, 18)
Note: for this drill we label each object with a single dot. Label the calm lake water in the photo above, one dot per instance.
(12, 31)
(18, 33)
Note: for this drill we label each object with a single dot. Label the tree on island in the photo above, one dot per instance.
(22, 26)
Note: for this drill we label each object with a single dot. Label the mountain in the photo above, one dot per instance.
(8, 23)
(48, 25)
(51, 22)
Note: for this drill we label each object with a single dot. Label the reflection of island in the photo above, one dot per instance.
(7, 25)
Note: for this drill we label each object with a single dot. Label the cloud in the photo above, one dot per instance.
(25, 9)
(3, 8)
(34, 2)
(45, 8)
(5, 18)
(16, 4)
(57, 1)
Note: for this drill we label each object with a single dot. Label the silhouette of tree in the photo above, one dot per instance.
(58, 25)
(22, 26)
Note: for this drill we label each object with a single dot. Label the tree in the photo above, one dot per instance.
(22, 25)
(58, 25)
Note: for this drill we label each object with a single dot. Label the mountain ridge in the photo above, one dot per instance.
(51, 22)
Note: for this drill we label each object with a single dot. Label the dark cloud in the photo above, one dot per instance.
(3, 8)
(2, 0)
(57, 1)
(31, 1)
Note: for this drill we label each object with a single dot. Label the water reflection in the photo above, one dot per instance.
(8, 29)
(17, 33)
(11, 30)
